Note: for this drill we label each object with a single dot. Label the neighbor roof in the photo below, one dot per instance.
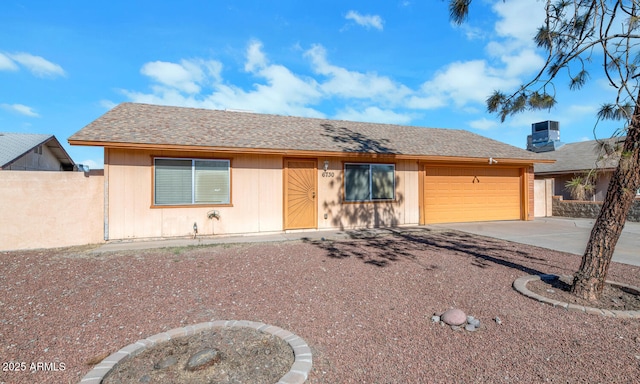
(144, 125)
(15, 145)
(580, 157)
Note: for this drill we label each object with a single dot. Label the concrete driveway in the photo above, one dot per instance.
(561, 234)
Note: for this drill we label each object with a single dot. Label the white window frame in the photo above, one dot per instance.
(370, 197)
(193, 186)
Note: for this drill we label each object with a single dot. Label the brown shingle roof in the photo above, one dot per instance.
(154, 125)
(580, 157)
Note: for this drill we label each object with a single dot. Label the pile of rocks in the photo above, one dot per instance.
(457, 320)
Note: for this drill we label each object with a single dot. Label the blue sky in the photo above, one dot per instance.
(65, 63)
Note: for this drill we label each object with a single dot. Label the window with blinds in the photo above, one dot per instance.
(369, 182)
(191, 181)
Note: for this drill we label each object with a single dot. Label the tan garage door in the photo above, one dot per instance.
(463, 194)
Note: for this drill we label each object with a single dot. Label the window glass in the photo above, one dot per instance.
(356, 182)
(186, 181)
(212, 182)
(382, 181)
(367, 182)
(173, 182)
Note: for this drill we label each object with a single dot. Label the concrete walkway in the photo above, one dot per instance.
(557, 233)
(125, 245)
(561, 234)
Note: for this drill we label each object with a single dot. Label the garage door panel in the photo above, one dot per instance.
(462, 194)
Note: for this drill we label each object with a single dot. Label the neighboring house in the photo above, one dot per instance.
(33, 152)
(170, 170)
(576, 160)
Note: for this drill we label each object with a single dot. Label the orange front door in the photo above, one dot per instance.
(300, 190)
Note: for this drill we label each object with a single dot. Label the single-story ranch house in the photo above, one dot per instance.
(171, 170)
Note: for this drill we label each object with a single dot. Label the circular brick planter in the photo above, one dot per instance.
(520, 285)
(297, 374)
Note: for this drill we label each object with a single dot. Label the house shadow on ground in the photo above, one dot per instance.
(381, 247)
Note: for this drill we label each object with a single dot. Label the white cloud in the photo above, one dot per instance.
(187, 76)
(519, 20)
(426, 102)
(349, 84)
(511, 58)
(483, 124)
(373, 114)
(37, 65)
(107, 104)
(21, 109)
(367, 21)
(522, 63)
(472, 33)
(6, 64)
(256, 59)
(466, 82)
(367, 96)
(278, 91)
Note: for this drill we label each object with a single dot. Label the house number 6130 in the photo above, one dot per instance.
(327, 174)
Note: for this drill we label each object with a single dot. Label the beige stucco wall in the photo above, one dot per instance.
(41, 209)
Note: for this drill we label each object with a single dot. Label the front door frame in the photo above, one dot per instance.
(314, 191)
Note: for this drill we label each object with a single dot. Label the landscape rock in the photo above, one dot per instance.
(470, 328)
(454, 317)
(165, 363)
(435, 318)
(203, 359)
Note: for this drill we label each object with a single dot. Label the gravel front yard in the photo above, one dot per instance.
(363, 305)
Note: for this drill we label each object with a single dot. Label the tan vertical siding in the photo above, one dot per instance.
(256, 198)
(411, 189)
(367, 214)
(530, 200)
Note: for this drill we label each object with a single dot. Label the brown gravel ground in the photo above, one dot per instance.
(363, 305)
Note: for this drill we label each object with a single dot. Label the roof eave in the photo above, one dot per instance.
(303, 153)
(570, 171)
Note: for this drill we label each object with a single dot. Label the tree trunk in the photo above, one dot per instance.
(589, 281)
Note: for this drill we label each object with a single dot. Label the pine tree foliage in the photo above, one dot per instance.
(576, 35)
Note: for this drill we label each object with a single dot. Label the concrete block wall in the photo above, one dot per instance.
(587, 209)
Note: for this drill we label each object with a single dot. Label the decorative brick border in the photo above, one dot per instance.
(297, 374)
(520, 285)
